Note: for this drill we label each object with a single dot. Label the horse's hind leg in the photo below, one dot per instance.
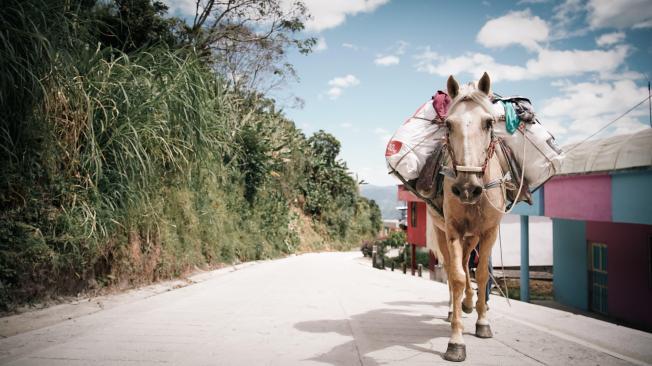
(456, 350)
(469, 244)
(482, 327)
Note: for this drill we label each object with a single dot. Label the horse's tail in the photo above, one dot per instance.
(432, 227)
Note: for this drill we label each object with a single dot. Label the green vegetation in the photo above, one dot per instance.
(127, 158)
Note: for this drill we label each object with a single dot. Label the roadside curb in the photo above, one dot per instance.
(40, 318)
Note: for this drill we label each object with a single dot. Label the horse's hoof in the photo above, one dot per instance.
(449, 318)
(483, 331)
(455, 352)
(467, 309)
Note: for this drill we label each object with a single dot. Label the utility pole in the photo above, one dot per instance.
(649, 100)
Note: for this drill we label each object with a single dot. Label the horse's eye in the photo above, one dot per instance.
(488, 123)
(447, 124)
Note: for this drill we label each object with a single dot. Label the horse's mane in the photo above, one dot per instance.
(470, 92)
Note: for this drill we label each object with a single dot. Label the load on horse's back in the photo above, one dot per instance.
(468, 163)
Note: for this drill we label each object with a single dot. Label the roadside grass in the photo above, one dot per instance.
(121, 169)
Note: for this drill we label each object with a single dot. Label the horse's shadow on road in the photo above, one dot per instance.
(377, 330)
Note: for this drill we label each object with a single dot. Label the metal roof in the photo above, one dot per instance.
(609, 154)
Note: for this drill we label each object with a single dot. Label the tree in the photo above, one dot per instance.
(129, 25)
(247, 40)
(325, 147)
(375, 215)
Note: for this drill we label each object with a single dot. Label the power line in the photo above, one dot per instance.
(615, 120)
(649, 97)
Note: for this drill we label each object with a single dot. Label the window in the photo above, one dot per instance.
(598, 276)
(649, 260)
(413, 214)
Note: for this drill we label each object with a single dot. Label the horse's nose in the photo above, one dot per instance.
(466, 191)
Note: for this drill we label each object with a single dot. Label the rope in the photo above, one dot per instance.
(502, 266)
(502, 185)
(610, 123)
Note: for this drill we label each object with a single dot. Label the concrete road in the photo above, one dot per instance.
(319, 309)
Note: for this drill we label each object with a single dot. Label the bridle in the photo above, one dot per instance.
(470, 168)
(489, 151)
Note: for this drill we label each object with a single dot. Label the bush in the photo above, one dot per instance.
(123, 168)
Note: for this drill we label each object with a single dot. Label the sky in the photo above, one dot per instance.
(582, 63)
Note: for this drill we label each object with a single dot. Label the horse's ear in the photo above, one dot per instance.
(453, 87)
(485, 83)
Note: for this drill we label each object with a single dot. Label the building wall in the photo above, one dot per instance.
(632, 201)
(417, 234)
(570, 273)
(628, 269)
(586, 197)
(540, 242)
(536, 209)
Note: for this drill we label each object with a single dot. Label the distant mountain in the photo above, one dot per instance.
(385, 197)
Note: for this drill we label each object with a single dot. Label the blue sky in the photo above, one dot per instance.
(581, 62)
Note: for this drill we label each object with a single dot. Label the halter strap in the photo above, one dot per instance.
(470, 168)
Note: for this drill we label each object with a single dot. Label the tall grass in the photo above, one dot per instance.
(119, 169)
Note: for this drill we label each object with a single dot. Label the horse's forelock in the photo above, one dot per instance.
(470, 93)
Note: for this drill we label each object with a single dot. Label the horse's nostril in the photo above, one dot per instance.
(477, 191)
(456, 191)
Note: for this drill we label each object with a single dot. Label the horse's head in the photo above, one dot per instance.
(470, 136)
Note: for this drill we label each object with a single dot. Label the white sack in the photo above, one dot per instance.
(542, 154)
(413, 142)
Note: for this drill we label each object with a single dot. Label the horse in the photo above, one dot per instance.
(472, 210)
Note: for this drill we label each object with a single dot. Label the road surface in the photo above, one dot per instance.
(314, 309)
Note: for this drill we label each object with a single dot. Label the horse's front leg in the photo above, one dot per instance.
(469, 243)
(482, 328)
(456, 350)
(449, 318)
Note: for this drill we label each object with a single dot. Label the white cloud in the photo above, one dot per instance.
(571, 62)
(330, 14)
(522, 2)
(619, 13)
(568, 11)
(517, 27)
(608, 39)
(321, 45)
(324, 14)
(387, 60)
(350, 45)
(346, 125)
(391, 57)
(584, 108)
(181, 7)
(548, 63)
(334, 93)
(339, 83)
(344, 81)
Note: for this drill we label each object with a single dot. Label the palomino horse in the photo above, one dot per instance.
(469, 220)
